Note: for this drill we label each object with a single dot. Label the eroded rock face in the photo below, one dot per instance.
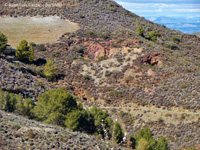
(95, 50)
(151, 58)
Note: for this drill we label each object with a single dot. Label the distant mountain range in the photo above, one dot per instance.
(185, 25)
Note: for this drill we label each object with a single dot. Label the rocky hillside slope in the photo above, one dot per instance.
(107, 63)
(197, 34)
(20, 133)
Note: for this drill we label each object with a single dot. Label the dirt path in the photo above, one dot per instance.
(154, 114)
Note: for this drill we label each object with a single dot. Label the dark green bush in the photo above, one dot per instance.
(101, 118)
(24, 52)
(24, 106)
(144, 140)
(32, 44)
(3, 42)
(15, 103)
(101, 58)
(162, 144)
(90, 32)
(49, 70)
(81, 16)
(58, 107)
(118, 133)
(105, 35)
(175, 39)
(140, 31)
(53, 106)
(78, 49)
(80, 120)
(7, 101)
(152, 35)
(40, 47)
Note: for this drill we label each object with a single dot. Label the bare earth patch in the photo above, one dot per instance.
(35, 29)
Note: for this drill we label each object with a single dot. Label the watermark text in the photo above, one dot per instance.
(35, 5)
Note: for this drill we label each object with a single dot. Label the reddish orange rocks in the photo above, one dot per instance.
(151, 58)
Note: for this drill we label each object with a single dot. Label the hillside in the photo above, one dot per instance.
(197, 34)
(107, 62)
(20, 133)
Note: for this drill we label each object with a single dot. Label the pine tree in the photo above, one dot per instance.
(118, 133)
(140, 31)
(49, 70)
(24, 52)
(53, 106)
(3, 42)
(73, 120)
(162, 144)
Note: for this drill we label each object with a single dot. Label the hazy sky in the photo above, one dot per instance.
(169, 8)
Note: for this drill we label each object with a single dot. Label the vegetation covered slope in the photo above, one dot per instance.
(20, 133)
(115, 59)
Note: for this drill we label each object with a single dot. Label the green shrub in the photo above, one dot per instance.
(191, 149)
(105, 35)
(101, 117)
(78, 49)
(30, 134)
(24, 52)
(53, 106)
(140, 31)
(143, 144)
(152, 35)
(169, 45)
(160, 120)
(101, 58)
(175, 39)
(143, 140)
(80, 120)
(15, 103)
(7, 101)
(118, 133)
(90, 32)
(49, 70)
(183, 86)
(162, 144)
(3, 42)
(24, 106)
(32, 44)
(73, 120)
(115, 93)
(40, 47)
(81, 16)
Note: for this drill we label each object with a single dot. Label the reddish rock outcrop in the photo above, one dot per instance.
(95, 50)
(151, 58)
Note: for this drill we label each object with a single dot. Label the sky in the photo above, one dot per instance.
(167, 8)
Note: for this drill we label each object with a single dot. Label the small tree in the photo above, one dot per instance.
(3, 42)
(24, 52)
(53, 106)
(49, 70)
(73, 120)
(101, 117)
(153, 35)
(140, 31)
(162, 144)
(143, 145)
(175, 39)
(24, 106)
(118, 133)
(147, 135)
(90, 32)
